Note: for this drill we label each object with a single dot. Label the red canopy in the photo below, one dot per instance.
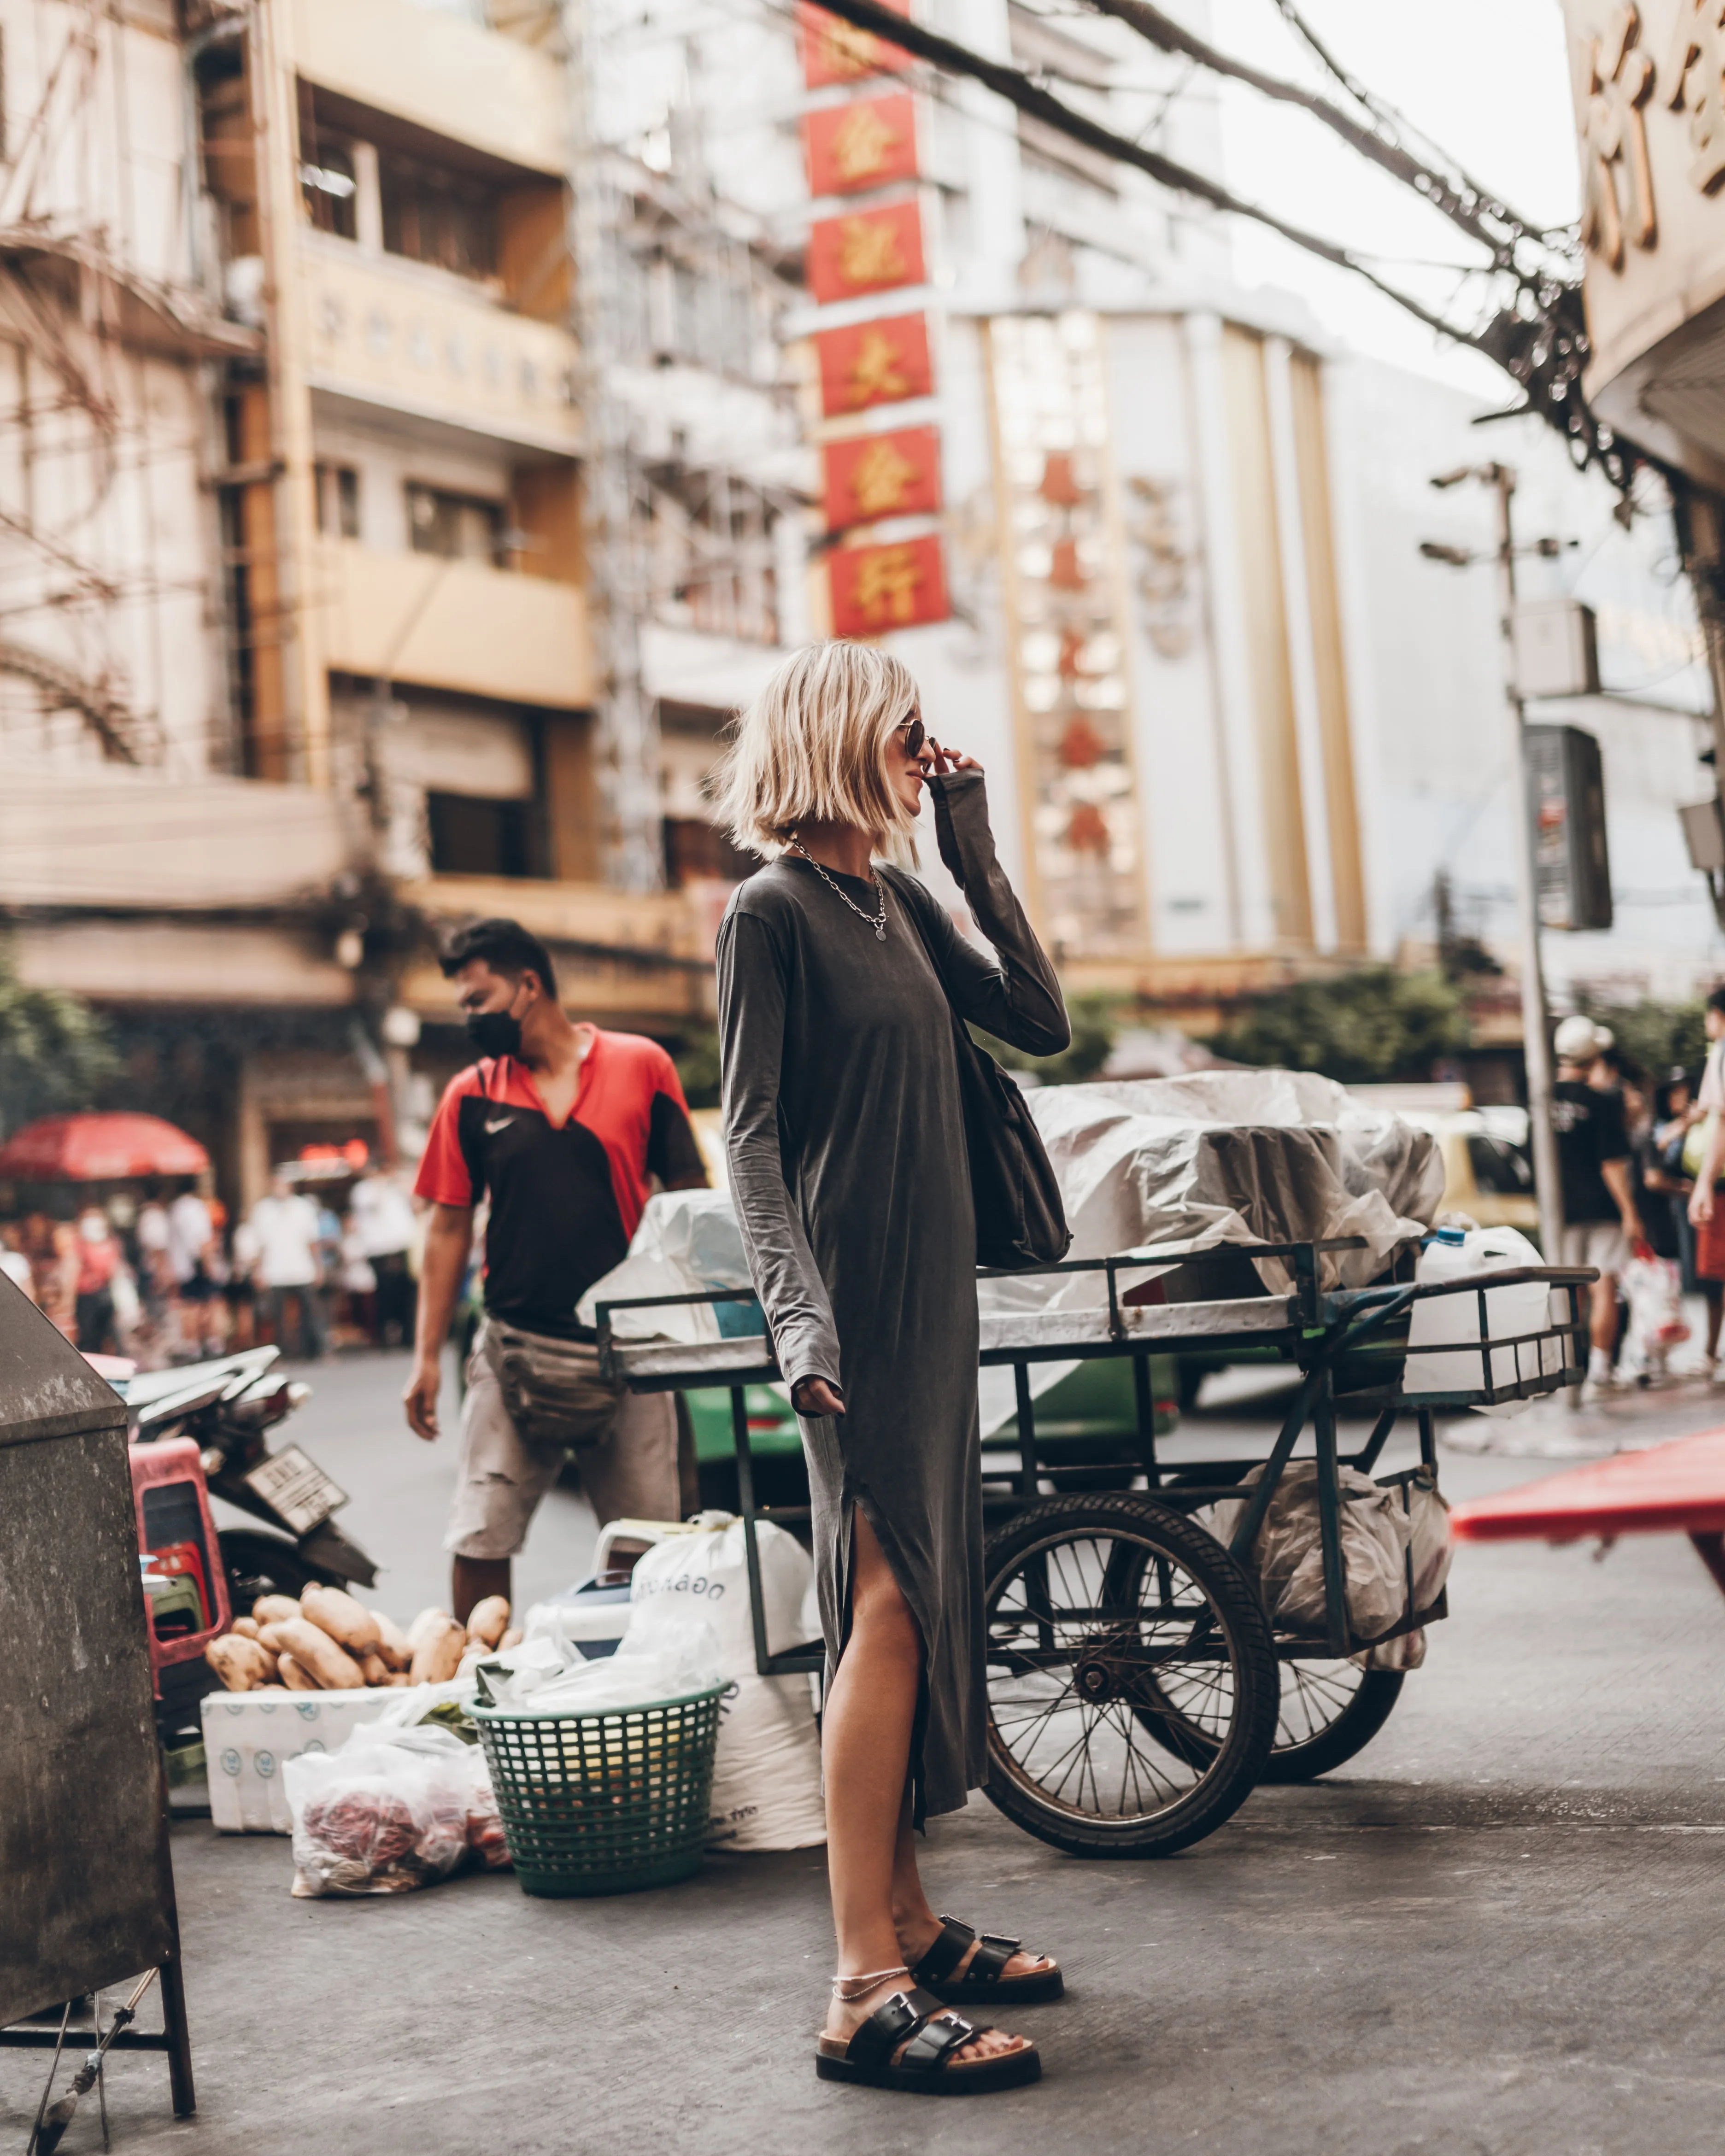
(1680, 1485)
(98, 1149)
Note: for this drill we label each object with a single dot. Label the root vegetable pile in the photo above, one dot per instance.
(330, 1641)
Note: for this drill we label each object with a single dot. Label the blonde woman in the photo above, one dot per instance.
(838, 979)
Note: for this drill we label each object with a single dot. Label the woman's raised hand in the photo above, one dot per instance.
(949, 759)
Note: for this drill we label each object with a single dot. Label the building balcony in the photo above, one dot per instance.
(629, 959)
(452, 624)
(411, 340)
(438, 72)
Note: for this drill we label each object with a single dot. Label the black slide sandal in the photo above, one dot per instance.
(930, 2034)
(983, 1983)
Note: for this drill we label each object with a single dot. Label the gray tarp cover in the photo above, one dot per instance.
(1215, 1156)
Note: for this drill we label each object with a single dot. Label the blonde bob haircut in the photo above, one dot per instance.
(811, 748)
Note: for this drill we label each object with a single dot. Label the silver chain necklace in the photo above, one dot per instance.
(877, 921)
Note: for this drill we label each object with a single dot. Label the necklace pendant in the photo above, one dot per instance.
(880, 933)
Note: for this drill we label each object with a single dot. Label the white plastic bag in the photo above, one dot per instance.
(1655, 1289)
(1452, 1322)
(388, 1812)
(1287, 1557)
(767, 1791)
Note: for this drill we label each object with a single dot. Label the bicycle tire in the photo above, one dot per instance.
(1096, 1634)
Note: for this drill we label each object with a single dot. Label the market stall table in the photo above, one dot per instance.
(1677, 1488)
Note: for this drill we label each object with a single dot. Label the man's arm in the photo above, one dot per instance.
(1616, 1174)
(448, 1240)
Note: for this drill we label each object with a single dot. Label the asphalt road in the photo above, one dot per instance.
(1497, 1930)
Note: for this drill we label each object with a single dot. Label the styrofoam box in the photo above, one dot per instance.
(248, 1735)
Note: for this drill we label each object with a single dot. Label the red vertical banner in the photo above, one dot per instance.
(870, 142)
(869, 250)
(873, 363)
(878, 589)
(876, 475)
(836, 51)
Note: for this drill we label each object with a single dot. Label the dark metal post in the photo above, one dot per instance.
(1145, 1403)
(1428, 1439)
(1027, 1431)
(1329, 1512)
(746, 1499)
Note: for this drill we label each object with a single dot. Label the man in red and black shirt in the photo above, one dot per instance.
(561, 1125)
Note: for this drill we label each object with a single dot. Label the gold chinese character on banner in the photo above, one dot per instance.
(1619, 80)
(869, 251)
(861, 143)
(887, 581)
(1695, 83)
(881, 479)
(874, 373)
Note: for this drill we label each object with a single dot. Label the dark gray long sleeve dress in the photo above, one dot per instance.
(845, 1139)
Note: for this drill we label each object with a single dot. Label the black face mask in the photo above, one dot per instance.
(494, 1032)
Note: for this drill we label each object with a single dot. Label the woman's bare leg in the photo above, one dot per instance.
(866, 1754)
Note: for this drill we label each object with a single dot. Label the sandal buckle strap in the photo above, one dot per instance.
(938, 2040)
(874, 2042)
(945, 1953)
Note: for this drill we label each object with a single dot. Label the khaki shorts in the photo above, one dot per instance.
(1600, 1244)
(630, 1472)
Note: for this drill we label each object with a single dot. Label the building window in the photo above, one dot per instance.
(437, 217)
(338, 501)
(462, 527)
(474, 837)
(327, 182)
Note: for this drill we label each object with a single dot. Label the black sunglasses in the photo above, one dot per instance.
(914, 733)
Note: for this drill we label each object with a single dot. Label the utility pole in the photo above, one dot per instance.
(1536, 1029)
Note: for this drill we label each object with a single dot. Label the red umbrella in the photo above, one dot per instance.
(98, 1149)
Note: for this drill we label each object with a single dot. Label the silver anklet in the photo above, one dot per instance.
(847, 1990)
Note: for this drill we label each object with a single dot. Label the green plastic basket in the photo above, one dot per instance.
(606, 1802)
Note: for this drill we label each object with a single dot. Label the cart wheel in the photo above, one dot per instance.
(1329, 1712)
(1106, 1615)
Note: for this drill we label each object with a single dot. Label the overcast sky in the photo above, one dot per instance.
(1486, 79)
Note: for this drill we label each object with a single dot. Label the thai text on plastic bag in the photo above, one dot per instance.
(767, 1791)
(390, 1810)
(1378, 1531)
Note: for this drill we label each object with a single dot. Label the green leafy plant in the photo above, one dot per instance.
(1654, 1034)
(1094, 1022)
(55, 1052)
(1364, 1028)
(697, 1061)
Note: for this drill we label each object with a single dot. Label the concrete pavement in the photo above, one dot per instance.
(1497, 1930)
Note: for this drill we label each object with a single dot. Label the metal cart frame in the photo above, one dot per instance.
(1333, 1335)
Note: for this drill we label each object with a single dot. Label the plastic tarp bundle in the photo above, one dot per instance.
(1238, 1156)
(1215, 1157)
(687, 1243)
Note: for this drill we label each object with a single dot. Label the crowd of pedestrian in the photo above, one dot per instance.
(1640, 1155)
(166, 1276)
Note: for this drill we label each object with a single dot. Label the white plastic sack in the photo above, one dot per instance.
(1287, 1557)
(767, 1792)
(652, 1664)
(388, 1812)
(1655, 1289)
(688, 1242)
(1453, 1320)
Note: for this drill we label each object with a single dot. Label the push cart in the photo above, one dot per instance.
(1138, 1690)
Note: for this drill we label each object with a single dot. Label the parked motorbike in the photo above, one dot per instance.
(228, 1406)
